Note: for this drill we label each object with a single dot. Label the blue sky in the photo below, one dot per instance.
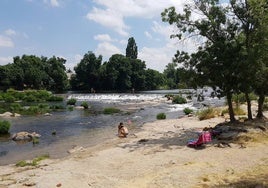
(71, 28)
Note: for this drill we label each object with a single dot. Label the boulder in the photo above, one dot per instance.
(25, 136)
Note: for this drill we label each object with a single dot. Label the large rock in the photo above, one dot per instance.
(25, 136)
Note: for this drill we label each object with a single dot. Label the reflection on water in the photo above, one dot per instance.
(81, 128)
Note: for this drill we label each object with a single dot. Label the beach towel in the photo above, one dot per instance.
(203, 138)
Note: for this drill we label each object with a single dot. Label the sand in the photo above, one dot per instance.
(155, 157)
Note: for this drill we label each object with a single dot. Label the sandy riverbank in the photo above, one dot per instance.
(157, 156)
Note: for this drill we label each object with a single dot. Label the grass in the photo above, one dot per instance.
(207, 113)
(111, 110)
(34, 162)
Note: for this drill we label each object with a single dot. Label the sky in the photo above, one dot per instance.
(71, 28)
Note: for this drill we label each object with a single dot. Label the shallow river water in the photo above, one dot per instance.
(82, 128)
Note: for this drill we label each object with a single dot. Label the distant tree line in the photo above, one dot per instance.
(120, 73)
(32, 72)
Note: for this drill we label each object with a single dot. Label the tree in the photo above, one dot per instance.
(57, 74)
(214, 64)
(119, 72)
(154, 79)
(171, 73)
(137, 74)
(231, 60)
(87, 72)
(132, 49)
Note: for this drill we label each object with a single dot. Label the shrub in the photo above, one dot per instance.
(206, 114)
(70, 108)
(57, 107)
(9, 98)
(161, 116)
(187, 111)
(179, 100)
(85, 105)
(36, 110)
(71, 101)
(15, 108)
(111, 110)
(30, 98)
(55, 98)
(4, 127)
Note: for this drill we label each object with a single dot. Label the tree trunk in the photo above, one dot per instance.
(248, 106)
(230, 107)
(260, 105)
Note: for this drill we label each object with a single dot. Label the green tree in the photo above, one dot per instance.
(119, 72)
(214, 63)
(154, 79)
(138, 69)
(172, 75)
(132, 49)
(57, 74)
(87, 72)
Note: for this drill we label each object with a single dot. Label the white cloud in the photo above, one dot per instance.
(10, 32)
(6, 41)
(113, 15)
(156, 58)
(77, 58)
(148, 35)
(109, 18)
(5, 60)
(107, 49)
(53, 3)
(103, 37)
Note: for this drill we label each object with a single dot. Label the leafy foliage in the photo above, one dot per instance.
(85, 105)
(178, 99)
(161, 116)
(132, 49)
(231, 54)
(71, 101)
(32, 72)
(4, 127)
(187, 111)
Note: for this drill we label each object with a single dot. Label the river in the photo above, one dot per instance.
(85, 128)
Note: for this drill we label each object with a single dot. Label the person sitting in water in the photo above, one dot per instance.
(122, 130)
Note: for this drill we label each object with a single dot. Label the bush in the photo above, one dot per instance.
(55, 98)
(56, 107)
(111, 110)
(30, 98)
(206, 114)
(179, 100)
(70, 108)
(71, 101)
(4, 127)
(161, 116)
(9, 98)
(15, 108)
(37, 110)
(85, 105)
(187, 111)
